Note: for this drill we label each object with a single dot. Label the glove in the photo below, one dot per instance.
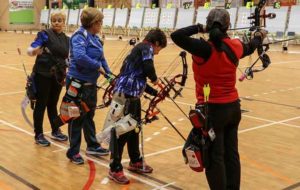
(201, 28)
(151, 91)
(109, 77)
(154, 92)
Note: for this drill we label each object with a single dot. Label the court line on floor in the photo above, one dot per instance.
(258, 118)
(13, 64)
(174, 148)
(281, 122)
(164, 186)
(294, 186)
(12, 68)
(276, 63)
(248, 98)
(10, 93)
(157, 153)
(20, 179)
(107, 161)
(269, 124)
(240, 132)
(86, 157)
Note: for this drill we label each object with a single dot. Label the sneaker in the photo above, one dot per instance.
(99, 151)
(118, 177)
(41, 140)
(140, 167)
(77, 159)
(59, 136)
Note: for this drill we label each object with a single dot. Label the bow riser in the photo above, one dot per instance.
(166, 88)
(258, 20)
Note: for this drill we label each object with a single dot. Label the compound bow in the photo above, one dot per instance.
(165, 87)
(111, 79)
(257, 21)
(108, 93)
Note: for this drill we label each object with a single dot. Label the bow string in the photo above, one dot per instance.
(166, 86)
(111, 78)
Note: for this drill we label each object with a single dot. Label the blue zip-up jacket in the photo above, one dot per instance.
(86, 57)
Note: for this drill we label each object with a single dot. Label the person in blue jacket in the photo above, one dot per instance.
(86, 62)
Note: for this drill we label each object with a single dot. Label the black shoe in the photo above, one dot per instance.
(77, 159)
(41, 140)
(99, 151)
(59, 136)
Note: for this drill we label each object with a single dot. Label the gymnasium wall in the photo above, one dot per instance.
(4, 17)
(38, 6)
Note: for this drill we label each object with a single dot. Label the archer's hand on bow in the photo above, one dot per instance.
(110, 77)
(261, 33)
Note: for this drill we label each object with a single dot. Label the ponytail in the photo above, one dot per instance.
(216, 35)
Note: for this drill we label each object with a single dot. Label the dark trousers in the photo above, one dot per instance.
(48, 91)
(224, 171)
(133, 107)
(85, 122)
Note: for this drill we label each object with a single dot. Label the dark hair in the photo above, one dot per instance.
(216, 34)
(220, 16)
(157, 36)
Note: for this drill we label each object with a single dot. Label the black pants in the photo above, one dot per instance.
(133, 107)
(224, 171)
(85, 122)
(48, 91)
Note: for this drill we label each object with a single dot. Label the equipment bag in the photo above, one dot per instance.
(194, 158)
(192, 150)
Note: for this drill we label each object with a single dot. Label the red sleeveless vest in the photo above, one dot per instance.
(219, 72)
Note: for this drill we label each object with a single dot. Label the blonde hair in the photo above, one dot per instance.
(58, 13)
(89, 16)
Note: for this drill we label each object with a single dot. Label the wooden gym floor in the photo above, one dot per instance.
(269, 133)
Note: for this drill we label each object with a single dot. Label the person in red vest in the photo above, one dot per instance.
(215, 63)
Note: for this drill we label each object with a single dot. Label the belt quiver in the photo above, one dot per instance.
(72, 105)
(196, 148)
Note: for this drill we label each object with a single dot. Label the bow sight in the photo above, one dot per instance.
(257, 21)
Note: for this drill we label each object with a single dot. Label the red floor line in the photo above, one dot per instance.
(91, 176)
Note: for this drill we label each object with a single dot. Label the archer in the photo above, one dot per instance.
(125, 108)
(214, 65)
